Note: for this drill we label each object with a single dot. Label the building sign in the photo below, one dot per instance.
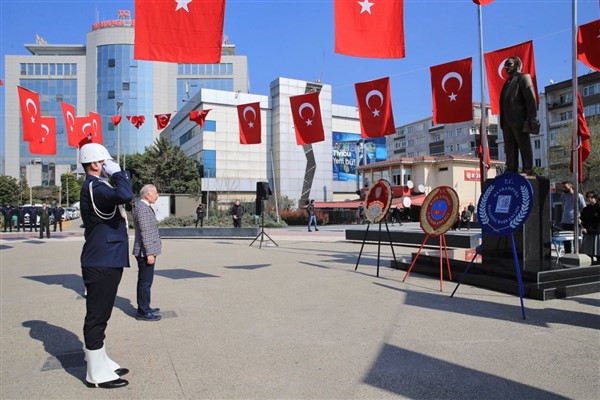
(123, 21)
(472, 175)
(347, 149)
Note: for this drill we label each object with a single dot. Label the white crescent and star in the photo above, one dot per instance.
(95, 127)
(501, 68)
(246, 109)
(378, 94)
(44, 127)
(451, 75)
(29, 102)
(183, 4)
(309, 106)
(70, 121)
(89, 136)
(366, 6)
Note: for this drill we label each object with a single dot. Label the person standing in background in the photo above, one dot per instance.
(58, 213)
(590, 223)
(568, 219)
(200, 214)
(146, 247)
(44, 220)
(237, 212)
(312, 217)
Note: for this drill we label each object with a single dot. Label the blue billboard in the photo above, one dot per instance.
(348, 147)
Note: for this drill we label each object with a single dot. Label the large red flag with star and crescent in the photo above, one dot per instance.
(44, 143)
(452, 92)
(30, 113)
(181, 31)
(69, 116)
(496, 75)
(306, 113)
(162, 120)
(588, 44)
(250, 123)
(375, 108)
(369, 28)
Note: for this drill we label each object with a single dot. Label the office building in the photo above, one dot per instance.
(102, 76)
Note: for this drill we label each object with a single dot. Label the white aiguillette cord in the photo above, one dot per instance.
(107, 216)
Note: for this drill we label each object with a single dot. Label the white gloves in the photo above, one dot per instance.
(110, 167)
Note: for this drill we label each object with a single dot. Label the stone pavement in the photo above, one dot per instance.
(288, 322)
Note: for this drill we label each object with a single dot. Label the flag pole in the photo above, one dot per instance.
(575, 140)
(483, 133)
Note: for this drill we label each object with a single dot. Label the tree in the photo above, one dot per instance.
(9, 190)
(171, 171)
(70, 188)
(559, 157)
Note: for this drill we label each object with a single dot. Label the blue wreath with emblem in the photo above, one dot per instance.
(505, 204)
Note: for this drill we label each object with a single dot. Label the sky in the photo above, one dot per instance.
(295, 39)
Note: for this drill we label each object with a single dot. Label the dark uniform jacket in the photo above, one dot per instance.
(106, 240)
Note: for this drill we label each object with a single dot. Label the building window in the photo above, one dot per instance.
(52, 69)
(591, 89)
(59, 69)
(592, 109)
(443, 169)
(210, 126)
(566, 116)
(111, 63)
(538, 162)
(125, 85)
(566, 98)
(111, 94)
(537, 143)
(23, 69)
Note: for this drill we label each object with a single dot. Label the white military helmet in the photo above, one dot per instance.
(93, 152)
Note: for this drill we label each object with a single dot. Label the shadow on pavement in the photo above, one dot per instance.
(418, 376)
(68, 281)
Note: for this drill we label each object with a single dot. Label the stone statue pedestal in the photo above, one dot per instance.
(533, 240)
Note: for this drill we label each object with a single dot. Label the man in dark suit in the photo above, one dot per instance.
(146, 247)
(58, 213)
(105, 253)
(517, 105)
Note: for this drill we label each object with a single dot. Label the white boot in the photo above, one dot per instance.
(113, 365)
(98, 368)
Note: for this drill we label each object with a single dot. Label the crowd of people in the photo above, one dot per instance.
(22, 217)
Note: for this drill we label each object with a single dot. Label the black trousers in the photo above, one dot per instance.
(567, 245)
(201, 220)
(144, 284)
(59, 222)
(44, 226)
(101, 285)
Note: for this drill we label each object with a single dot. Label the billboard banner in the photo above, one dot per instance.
(348, 147)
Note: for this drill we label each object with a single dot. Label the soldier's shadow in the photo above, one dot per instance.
(64, 347)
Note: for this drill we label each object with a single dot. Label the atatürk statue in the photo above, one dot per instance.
(518, 116)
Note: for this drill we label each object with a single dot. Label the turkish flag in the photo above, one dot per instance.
(45, 141)
(198, 116)
(116, 119)
(369, 29)
(181, 31)
(585, 148)
(250, 123)
(162, 120)
(482, 2)
(306, 113)
(87, 130)
(96, 127)
(452, 91)
(30, 113)
(136, 120)
(69, 116)
(496, 75)
(588, 44)
(375, 108)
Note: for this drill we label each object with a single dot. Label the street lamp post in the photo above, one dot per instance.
(119, 105)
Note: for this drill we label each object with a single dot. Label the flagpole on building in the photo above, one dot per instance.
(483, 133)
(575, 139)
